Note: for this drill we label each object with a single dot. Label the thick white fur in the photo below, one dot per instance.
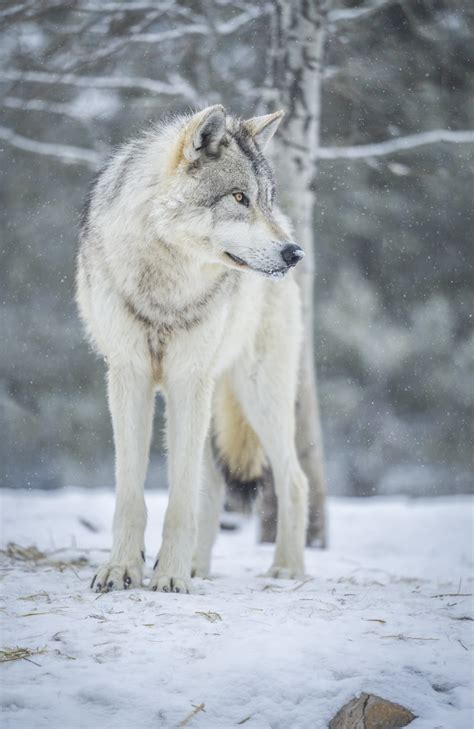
(250, 336)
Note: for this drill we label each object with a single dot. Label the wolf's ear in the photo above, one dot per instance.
(204, 132)
(262, 128)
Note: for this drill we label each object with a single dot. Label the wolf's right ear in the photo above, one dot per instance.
(204, 132)
(262, 128)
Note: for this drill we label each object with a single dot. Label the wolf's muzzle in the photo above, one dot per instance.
(291, 254)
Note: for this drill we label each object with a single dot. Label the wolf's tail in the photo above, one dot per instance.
(236, 448)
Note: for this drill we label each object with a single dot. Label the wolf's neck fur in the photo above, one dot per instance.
(171, 292)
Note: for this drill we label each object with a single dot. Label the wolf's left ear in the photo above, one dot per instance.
(204, 132)
(262, 128)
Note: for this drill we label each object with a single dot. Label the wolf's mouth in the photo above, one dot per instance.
(269, 273)
(236, 259)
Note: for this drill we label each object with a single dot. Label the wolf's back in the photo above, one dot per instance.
(236, 447)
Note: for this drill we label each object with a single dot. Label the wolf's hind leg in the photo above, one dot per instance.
(211, 498)
(267, 393)
(131, 403)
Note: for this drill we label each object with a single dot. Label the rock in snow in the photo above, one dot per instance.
(371, 712)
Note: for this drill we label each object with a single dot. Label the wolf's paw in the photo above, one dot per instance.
(118, 576)
(166, 583)
(285, 573)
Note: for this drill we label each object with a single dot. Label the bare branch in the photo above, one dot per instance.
(14, 9)
(230, 26)
(65, 153)
(50, 107)
(166, 35)
(179, 87)
(114, 7)
(341, 15)
(166, 6)
(399, 144)
(27, 10)
(225, 28)
(116, 45)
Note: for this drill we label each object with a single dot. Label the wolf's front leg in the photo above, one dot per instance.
(188, 416)
(131, 403)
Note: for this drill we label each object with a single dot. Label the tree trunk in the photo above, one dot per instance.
(296, 55)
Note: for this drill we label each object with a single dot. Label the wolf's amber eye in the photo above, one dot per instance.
(241, 198)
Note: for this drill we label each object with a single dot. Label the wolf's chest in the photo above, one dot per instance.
(174, 315)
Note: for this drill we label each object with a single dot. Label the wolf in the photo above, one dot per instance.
(185, 285)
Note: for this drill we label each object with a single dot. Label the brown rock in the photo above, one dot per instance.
(371, 712)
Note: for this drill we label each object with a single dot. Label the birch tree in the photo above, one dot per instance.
(295, 86)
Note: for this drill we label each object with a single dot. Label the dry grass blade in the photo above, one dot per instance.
(301, 584)
(37, 594)
(187, 719)
(18, 654)
(34, 555)
(24, 554)
(375, 620)
(64, 655)
(62, 565)
(88, 524)
(401, 636)
(101, 618)
(212, 617)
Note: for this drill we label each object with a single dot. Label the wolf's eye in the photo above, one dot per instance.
(241, 198)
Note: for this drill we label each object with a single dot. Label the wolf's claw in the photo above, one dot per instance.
(118, 576)
(164, 583)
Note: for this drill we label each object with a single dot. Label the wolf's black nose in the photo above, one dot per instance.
(291, 254)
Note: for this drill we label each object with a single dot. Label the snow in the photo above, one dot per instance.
(385, 611)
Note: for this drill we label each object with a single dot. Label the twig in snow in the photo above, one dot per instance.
(453, 594)
(196, 710)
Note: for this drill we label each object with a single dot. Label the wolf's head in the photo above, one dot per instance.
(224, 191)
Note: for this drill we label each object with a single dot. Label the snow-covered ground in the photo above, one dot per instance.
(387, 609)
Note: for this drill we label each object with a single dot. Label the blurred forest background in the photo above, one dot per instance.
(394, 221)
